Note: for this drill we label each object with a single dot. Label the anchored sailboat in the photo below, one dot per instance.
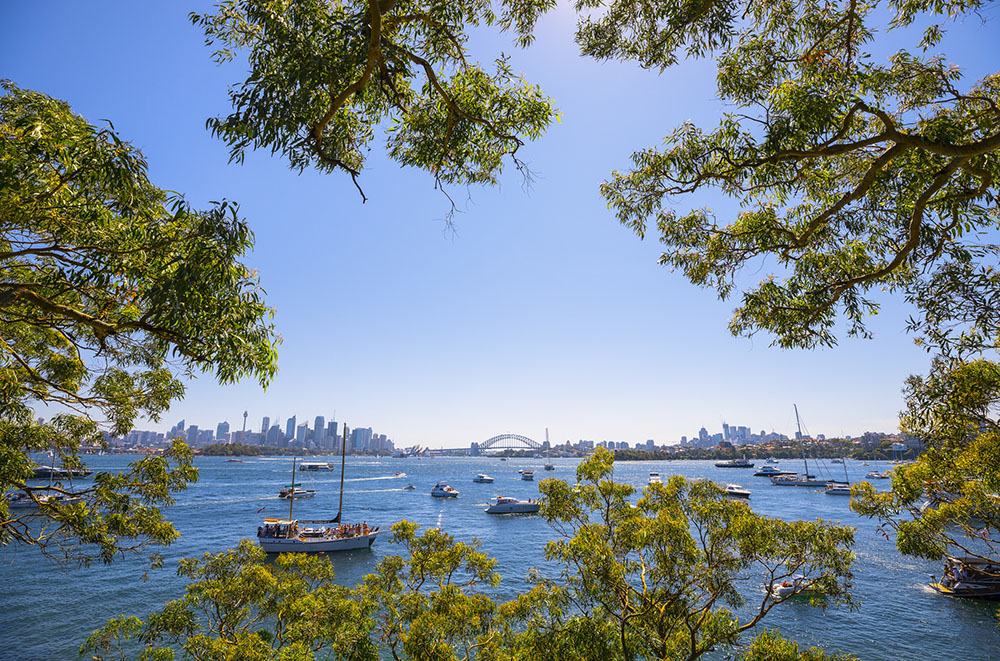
(805, 480)
(287, 536)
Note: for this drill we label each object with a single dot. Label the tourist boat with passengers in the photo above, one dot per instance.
(443, 490)
(970, 577)
(291, 535)
(483, 478)
(735, 463)
(508, 505)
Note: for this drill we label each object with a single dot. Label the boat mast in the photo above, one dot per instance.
(291, 499)
(343, 456)
(802, 446)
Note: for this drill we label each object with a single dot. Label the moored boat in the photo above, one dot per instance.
(549, 467)
(875, 475)
(23, 500)
(508, 505)
(527, 474)
(737, 491)
(315, 466)
(294, 492)
(797, 481)
(837, 489)
(41, 471)
(483, 478)
(654, 478)
(443, 490)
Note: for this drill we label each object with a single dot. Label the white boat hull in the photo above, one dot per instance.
(316, 545)
(513, 508)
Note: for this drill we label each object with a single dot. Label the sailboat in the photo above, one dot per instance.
(287, 536)
(805, 480)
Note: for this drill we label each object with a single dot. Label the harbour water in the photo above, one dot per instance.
(46, 610)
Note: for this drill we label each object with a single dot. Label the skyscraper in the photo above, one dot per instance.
(319, 432)
(265, 425)
(290, 427)
(222, 431)
(300, 433)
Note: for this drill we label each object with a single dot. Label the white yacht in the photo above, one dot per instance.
(508, 505)
(837, 489)
(771, 471)
(295, 493)
(442, 490)
(736, 491)
(482, 478)
(654, 478)
(527, 474)
(315, 466)
(875, 475)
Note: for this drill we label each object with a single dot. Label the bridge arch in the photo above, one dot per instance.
(509, 442)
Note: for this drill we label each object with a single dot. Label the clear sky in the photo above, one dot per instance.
(540, 311)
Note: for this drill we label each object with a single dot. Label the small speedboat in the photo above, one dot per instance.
(295, 493)
(875, 475)
(970, 577)
(736, 491)
(398, 474)
(508, 505)
(234, 461)
(443, 490)
(794, 585)
(482, 478)
(409, 487)
(527, 474)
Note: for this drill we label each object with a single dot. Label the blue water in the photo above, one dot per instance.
(46, 610)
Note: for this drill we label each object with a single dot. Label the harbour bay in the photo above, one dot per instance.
(900, 616)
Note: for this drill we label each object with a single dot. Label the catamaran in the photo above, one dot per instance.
(289, 536)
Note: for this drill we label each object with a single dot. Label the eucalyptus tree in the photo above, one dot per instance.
(111, 291)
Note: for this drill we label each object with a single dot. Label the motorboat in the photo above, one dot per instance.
(292, 491)
(654, 478)
(23, 500)
(875, 475)
(837, 489)
(797, 481)
(287, 536)
(736, 491)
(771, 460)
(793, 586)
(41, 471)
(508, 505)
(315, 466)
(399, 474)
(549, 467)
(234, 461)
(836, 461)
(771, 471)
(735, 463)
(527, 474)
(970, 577)
(483, 478)
(442, 490)
(409, 487)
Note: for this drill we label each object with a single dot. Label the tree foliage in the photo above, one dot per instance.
(325, 76)
(854, 171)
(653, 580)
(110, 291)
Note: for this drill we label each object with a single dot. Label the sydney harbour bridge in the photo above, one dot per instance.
(503, 442)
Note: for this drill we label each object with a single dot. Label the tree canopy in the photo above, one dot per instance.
(111, 290)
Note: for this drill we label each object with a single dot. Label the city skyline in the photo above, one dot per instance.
(538, 310)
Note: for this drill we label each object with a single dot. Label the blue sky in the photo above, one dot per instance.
(540, 311)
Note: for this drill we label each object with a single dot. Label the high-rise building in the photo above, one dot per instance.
(273, 436)
(319, 432)
(290, 427)
(222, 431)
(331, 435)
(725, 432)
(265, 426)
(192, 434)
(300, 433)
